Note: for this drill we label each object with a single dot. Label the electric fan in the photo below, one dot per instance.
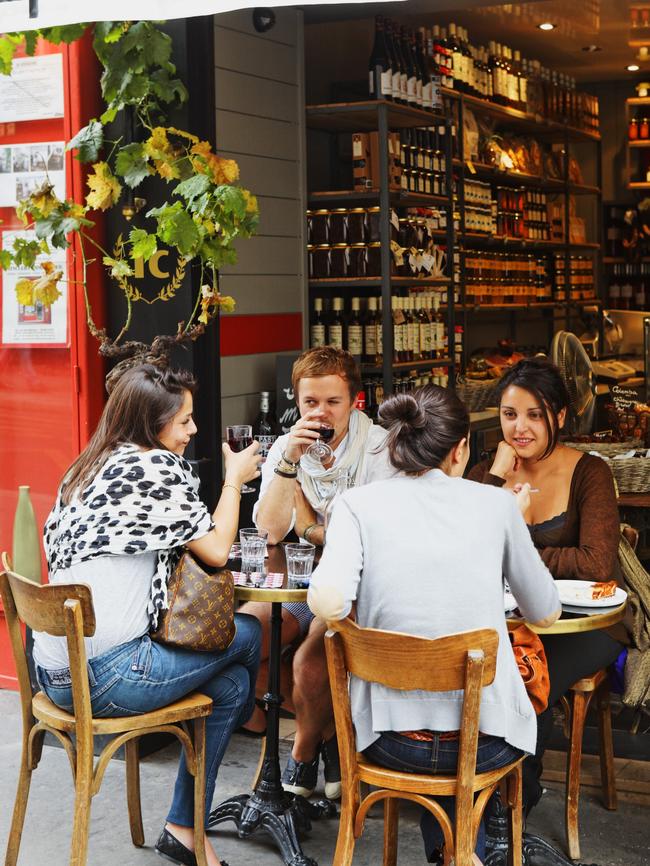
(569, 356)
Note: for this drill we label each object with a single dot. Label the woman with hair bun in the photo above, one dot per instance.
(572, 519)
(425, 553)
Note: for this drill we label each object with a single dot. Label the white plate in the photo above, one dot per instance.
(578, 592)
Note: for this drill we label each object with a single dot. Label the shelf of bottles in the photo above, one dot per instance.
(637, 115)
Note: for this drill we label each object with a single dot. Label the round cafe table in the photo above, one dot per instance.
(535, 850)
(269, 808)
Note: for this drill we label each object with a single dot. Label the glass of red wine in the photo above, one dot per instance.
(240, 436)
(320, 451)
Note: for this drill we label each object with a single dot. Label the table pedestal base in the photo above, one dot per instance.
(535, 850)
(283, 817)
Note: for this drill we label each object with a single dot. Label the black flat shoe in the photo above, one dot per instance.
(247, 732)
(171, 849)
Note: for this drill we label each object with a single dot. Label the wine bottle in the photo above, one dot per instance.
(317, 329)
(335, 327)
(396, 60)
(381, 67)
(411, 72)
(370, 333)
(265, 429)
(355, 331)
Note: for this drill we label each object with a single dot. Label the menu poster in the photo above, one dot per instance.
(625, 397)
(26, 167)
(37, 321)
(34, 90)
(285, 404)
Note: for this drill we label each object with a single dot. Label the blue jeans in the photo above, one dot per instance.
(142, 675)
(397, 752)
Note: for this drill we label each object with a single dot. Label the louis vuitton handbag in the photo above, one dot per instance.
(201, 612)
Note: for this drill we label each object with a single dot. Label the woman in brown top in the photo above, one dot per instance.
(572, 518)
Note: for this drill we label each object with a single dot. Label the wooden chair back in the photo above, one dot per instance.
(62, 610)
(464, 661)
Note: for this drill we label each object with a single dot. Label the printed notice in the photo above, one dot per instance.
(34, 90)
(34, 300)
(26, 167)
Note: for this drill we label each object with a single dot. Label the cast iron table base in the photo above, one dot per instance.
(270, 808)
(535, 850)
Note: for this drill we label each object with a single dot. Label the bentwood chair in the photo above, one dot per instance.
(464, 661)
(66, 610)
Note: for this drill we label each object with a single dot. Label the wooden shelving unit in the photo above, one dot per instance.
(635, 148)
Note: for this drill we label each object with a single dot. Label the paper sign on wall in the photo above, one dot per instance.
(25, 167)
(34, 90)
(28, 319)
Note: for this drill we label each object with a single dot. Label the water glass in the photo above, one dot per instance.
(253, 547)
(300, 562)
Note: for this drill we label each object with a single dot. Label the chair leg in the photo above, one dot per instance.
(199, 792)
(515, 819)
(133, 792)
(579, 708)
(20, 807)
(606, 748)
(391, 821)
(346, 840)
(82, 801)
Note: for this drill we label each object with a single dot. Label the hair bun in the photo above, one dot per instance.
(403, 413)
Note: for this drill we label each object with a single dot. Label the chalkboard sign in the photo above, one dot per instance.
(624, 397)
(285, 404)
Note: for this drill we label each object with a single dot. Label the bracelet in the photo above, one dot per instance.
(238, 489)
(289, 462)
(284, 474)
(288, 467)
(308, 530)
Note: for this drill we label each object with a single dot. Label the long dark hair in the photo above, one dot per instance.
(141, 402)
(423, 427)
(543, 381)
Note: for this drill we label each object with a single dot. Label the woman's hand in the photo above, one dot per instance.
(522, 495)
(506, 461)
(304, 433)
(241, 466)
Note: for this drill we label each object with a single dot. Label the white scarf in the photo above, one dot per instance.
(318, 483)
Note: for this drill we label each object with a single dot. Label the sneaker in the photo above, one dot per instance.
(332, 766)
(300, 777)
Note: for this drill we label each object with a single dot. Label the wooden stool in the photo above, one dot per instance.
(575, 716)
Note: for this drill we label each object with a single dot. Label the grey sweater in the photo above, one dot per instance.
(428, 556)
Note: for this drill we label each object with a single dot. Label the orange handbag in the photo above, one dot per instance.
(531, 661)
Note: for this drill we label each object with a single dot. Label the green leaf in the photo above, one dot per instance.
(25, 252)
(5, 259)
(119, 267)
(156, 48)
(111, 112)
(131, 164)
(177, 228)
(88, 141)
(31, 38)
(64, 33)
(143, 245)
(193, 187)
(231, 199)
(8, 45)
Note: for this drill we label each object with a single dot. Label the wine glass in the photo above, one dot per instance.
(240, 436)
(320, 451)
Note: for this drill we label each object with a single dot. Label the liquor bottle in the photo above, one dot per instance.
(335, 326)
(355, 330)
(317, 328)
(396, 61)
(380, 332)
(457, 59)
(441, 57)
(468, 62)
(26, 552)
(496, 71)
(414, 330)
(441, 348)
(265, 429)
(419, 45)
(424, 326)
(411, 71)
(521, 82)
(398, 329)
(370, 333)
(403, 67)
(380, 73)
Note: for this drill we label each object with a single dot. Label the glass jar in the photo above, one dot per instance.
(320, 227)
(644, 129)
(374, 219)
(309, 216)
(339, 260)
(339, 226)
(357, 225)
(633, 129)
(321, 262)
(310, 261)
(373, 268)
(358, 265)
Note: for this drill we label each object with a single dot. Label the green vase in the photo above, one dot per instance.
(27, 540)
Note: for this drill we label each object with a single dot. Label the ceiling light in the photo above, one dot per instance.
(633, 67)
(546, 25)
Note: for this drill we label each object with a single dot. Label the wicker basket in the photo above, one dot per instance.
(476, 394)
(631, 475)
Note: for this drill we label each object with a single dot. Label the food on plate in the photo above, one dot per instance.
(603, 590)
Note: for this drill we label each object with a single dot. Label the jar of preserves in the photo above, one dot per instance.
(358, 265)
(309, 216)
(321, 262)
(373, 268)
(338, 219)
(374, 218)
(310, 261)
(339, 260)
(320, 227)
(357, 225)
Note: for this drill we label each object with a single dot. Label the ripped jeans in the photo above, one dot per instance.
(142, 675)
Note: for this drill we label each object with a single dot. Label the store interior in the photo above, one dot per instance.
(516, 211)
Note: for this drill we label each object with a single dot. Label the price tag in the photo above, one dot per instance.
(398, 253)
(394, 220)
(470, 166)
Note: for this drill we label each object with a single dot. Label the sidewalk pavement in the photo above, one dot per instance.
(608, 838)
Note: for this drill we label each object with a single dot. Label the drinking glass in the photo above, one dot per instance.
(253, 547)
(320, 451)
(240, 436)
(300, 561)
(342, 482)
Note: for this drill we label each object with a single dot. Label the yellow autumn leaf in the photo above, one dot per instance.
(75, 210)
(251, 201)
(104, 187)
(227, 170)
(218, 169)
(182, 134)
(226, 303)
(25, 291)
(203, 315)
(159, 148)
(43, 199)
